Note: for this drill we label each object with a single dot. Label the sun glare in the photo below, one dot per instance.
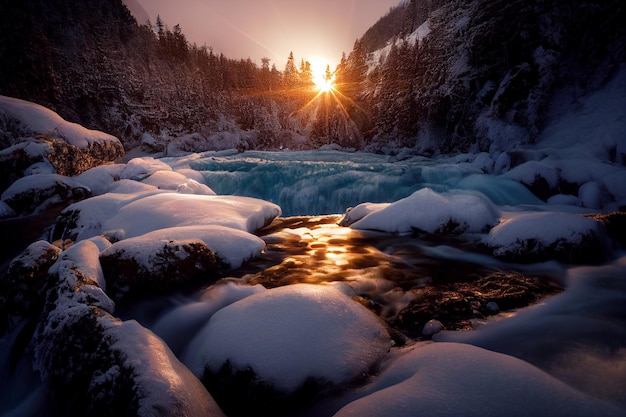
(322, 75)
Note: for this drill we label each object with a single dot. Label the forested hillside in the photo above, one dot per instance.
(431, 75)
(91, 62)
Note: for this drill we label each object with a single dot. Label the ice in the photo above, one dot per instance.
(450, 379)
(292, 333)
(36, 119)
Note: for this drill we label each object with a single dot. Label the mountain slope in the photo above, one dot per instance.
(486, 71)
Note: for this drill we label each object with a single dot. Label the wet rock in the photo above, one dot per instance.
(456, 304)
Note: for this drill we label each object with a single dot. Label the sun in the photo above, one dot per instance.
(323, 77)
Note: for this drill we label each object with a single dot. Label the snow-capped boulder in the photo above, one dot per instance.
(291, 342)
(541, 236)
(35, 193)
(140, 267)
(540, 177)
(426, 211)
(42, 135)
(453, 379)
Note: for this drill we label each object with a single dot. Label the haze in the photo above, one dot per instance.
(313, 30)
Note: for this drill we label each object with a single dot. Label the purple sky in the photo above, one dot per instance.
(313, 30)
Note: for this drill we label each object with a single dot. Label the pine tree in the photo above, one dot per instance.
(291, 72)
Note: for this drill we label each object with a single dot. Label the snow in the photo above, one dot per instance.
(169, 180)
(100, 179)
(179, 326)
(446, 379)
(577, 335)
(36, 119)
(429, 212)
(140, 168)
(6, 210)
(289, 334)
(83, 256)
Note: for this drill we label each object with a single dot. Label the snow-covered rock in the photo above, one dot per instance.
(95, 362)
(170, 180)
(140, 168)
(99, 179)
(35, 119)
(426, 211)
(35, 193)
(43, 137)
(540, 236)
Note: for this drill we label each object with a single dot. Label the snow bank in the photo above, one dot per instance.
(426, 211)
(289, 334)
(448, 379)
(36, 119)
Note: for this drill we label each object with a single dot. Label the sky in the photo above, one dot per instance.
(317, 30)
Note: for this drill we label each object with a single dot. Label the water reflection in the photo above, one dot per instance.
(402, 279)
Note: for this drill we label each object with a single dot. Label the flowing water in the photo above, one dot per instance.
(329, 182)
